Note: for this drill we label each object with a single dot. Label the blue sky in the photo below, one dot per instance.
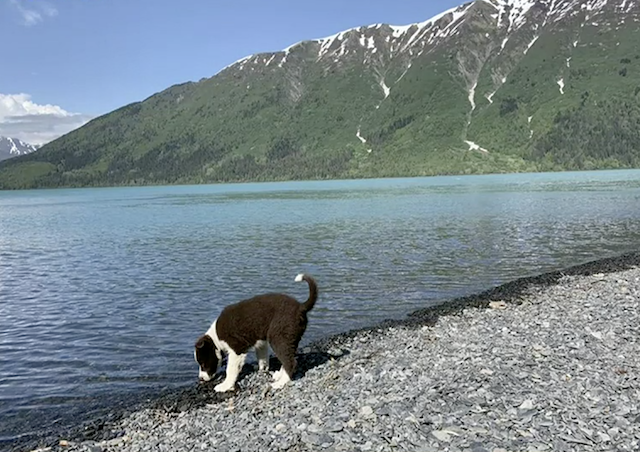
(65, 61)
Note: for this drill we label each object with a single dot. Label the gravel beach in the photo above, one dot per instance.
(549, 363)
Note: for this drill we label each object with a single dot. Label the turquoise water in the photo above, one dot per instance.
(106, 290)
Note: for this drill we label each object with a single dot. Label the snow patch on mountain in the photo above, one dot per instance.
(594, 5)
(626, 6)
(404, 73)
(564, 8)
(518, 10)
(399, 30)
(472, 95)
(360, 137)
(475, 147)
(385, 88)
(240, 62)
(432, 27)
(326, 43)
(533, 41)
(367, 42)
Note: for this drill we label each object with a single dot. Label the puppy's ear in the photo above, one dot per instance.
(201, 342)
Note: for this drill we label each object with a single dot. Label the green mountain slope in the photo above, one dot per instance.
(490, 86)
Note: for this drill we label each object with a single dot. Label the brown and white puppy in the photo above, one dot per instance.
(271, 319)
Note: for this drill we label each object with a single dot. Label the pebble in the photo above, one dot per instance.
(526, 405)
(442, 435)
(366, 411)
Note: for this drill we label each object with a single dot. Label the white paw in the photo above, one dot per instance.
(224, 387)
(279, 384)
(262, 366)
(277, 374)
(282, 380)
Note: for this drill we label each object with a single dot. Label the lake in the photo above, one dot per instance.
(92, 280)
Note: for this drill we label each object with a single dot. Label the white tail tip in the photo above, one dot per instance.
(299, 277)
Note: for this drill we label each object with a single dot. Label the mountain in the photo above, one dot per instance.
(12, 147)
(490, 86)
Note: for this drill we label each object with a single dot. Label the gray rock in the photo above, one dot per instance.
(311, 438)
(442, 435)
(325, 440)
(478, 447)
(334, 427)
(366, 411)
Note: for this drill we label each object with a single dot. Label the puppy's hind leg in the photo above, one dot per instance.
(262, 353)
(286, 353)
(234, 366)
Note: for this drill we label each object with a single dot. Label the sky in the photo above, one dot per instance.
(65, 62)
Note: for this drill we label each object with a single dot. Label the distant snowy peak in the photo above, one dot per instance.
(13, 147)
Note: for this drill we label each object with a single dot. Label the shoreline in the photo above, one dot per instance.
(108, 431)
(338, 179)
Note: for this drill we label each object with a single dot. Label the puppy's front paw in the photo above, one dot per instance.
(281, 380)
(279, 384)
(277, 374)
(224, 387)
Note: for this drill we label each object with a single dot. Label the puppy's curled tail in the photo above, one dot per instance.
(313, 292)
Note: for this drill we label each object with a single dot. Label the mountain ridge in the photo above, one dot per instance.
(488, 86)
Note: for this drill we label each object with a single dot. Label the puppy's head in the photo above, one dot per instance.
(208, 357)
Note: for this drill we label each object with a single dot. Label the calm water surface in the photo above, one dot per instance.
(105, 290)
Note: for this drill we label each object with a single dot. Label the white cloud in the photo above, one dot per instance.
(33, 12)
(22, 118)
